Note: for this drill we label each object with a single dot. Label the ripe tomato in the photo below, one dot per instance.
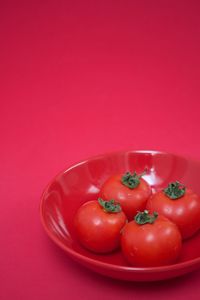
(131, 191)
(98, 225)
(180, 205)
(150, 240)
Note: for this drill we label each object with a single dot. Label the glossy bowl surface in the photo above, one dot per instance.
(82, 182)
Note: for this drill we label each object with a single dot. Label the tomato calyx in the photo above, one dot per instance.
(174, 190)
(144, 217)
(110, 206)
(131, 180)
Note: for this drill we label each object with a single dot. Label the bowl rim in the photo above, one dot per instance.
(95, 262)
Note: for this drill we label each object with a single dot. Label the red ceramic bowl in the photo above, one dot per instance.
(82, 182)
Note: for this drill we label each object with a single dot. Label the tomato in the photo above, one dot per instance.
(150, 241)
(131, 191)
(98, 225)
(180, 205)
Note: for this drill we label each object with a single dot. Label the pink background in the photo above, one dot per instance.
(79, 78)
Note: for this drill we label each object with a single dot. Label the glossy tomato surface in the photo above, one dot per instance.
(82, 182)
(151, 245)
(97, 230)
(131, 200)
(184, 211)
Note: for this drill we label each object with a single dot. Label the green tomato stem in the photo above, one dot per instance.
(110, 206)
(132, 180)
(174, 190)
(144, 217)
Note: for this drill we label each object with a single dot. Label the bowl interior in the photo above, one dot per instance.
(83, 181)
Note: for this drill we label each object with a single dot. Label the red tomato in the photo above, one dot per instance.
(131, 191)
(154, 242)
(98, 225)
(180, 205)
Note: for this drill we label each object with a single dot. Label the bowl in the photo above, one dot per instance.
(82, 182)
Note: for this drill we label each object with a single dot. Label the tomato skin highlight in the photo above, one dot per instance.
(184, 211)
(151, 245)
(131, 200)
(97, 230)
